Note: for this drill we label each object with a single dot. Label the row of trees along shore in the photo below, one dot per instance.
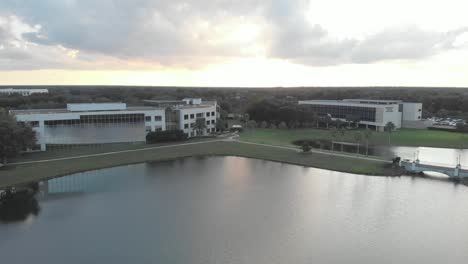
(14, 137)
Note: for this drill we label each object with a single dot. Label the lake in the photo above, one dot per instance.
(238, 210)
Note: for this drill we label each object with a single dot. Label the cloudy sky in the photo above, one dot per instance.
(234, 42)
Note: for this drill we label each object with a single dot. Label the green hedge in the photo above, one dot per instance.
(165, 136)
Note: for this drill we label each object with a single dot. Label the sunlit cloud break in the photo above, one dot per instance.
(184, 42)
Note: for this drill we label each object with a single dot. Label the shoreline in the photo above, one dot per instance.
(33, 171)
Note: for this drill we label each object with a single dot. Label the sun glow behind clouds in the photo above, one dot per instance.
(220, 48)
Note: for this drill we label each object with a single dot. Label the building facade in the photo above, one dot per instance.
(186, 112)
(102, 123)
(369, 113)
(23, 92)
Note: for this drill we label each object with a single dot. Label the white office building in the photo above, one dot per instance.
(23, 92)
(100, 123)
(185, 112)
(371, 113)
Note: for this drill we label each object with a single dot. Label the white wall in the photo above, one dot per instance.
(189, 111)
(46, 135)
(412, 111)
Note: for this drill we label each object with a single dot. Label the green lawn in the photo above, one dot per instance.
(24, 173)
(402, 137)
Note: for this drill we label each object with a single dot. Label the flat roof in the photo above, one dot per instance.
(341, 102)
(64, 110)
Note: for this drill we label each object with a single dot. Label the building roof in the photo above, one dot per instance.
(342, 102)
(64, 110)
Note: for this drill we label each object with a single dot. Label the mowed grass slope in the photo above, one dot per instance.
(24, 173)
(402, 137)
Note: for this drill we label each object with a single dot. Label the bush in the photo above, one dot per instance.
(165, 136)
(306, 147)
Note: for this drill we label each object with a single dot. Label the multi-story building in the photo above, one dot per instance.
(370, 113)
(184, 114)
(23, 92)
(116, 122)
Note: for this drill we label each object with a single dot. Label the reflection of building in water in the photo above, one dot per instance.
(77, 183)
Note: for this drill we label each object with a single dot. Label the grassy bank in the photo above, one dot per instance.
(402, 137)
(23, 173)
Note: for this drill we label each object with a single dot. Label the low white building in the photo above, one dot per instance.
(92, 123)
(371, 113)
(99, 123)
(23, 92)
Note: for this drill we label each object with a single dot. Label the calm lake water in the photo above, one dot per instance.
(238, 210)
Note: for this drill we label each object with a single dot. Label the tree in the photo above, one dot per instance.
(341, 133)
(282, 125)
(251, 124)
(358, 137)
(305, 147)
(264, 124)
(389, 127)
(200, 125)
(14, 137)
(334, 135)
(327, 120)
(220, 124)
(367, 135)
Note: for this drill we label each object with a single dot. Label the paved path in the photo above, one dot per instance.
(228, 138)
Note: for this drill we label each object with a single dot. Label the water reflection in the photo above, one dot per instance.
(237, 210)
(435, 156)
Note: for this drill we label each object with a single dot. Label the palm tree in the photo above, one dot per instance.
(342, 132)
(367, 135)
(358, 138)
(334, 135)
(200, 125)
(327, 120)
(389, 127)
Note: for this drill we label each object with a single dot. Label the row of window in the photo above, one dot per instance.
(156, 118)
(345, 112)
(199, 115)
(208, 122)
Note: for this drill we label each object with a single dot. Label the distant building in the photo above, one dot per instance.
(99, 123)
(23, 92)
(371, 113)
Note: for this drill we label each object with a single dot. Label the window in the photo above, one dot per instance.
(192, 124)
(148, 129)
(419, 110)
(185, 117)
(148, 118)
(207, 114)
(199, 114)
(34, 123)
(192, 116)
(157, 118)
(212, 113)
(207, 122)
(158, 129)
(185, 125)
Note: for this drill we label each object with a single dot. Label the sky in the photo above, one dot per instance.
(237, 43)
